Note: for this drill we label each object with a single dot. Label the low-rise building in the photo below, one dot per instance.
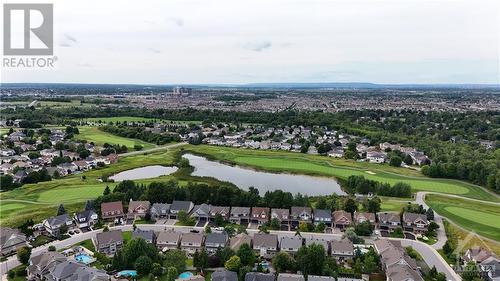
(291, 244)
(323, 216)
(168, 240)
(238, 240)
(342, 219)
(159, 210)
(180, 206)
(290, 277)
(342, 249)
(266, 245)
(11, 240)
(191, 242)
(215, 240)
(240, 215)
(259, 215)
(224, 275)
(137, 209)
(85, 219)
(146, 235)
(112, 211)
(396, 263)
(258, 276)
(360, 217)
(416, 223)
(108, 242)
(389, 221)
(54, 225)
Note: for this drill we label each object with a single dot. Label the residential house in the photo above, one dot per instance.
(159, 210)
(108, 242)
(192, 278)
(201, 213)
(224, 275)
(53, 225)
(146, 235)
(85, 219)
(490, 269)
(282, 215)
(416, 223)
(168, 240)
(342, 249)
(376, 156)
(191, 242)
(477, 255)
(300, 214)
(11, 240)
(321, 278)
(389, 221)
(215, 240)
(137, 209)
(396, 263)
(112, 211)
(259, 215)
(222, 211)
(238, 240)
(342, 219)
(240, 215)
(336, 152)
(290, 277)
(180, 206)
(55, 266)
(360, 217)
(266, 245)
(319, 241)
(258, 276)
(323, 216)
(291, 244)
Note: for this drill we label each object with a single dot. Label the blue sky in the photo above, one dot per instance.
(232, 41)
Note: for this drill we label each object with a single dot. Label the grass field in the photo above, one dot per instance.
(467, 240)
(278, 161)
(93, 134)
(38, 201)
(476, 216)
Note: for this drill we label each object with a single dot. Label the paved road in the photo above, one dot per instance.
(441, 234)
(430, 255)
(154, 149)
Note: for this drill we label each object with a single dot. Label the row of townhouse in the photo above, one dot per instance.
(225, 275)
(396, 263)
(290, 218)
(264, 244)
(56, 266)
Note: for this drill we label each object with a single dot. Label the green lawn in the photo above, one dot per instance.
(93, 134)
(392, 205)
(277, 161)
(39, 201)
(475, 216)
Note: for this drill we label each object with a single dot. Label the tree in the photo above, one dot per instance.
(471, 273)
(201, 261)
(106, 191)
(430, 214)
(364, 229)
(208, 229)
(408, 160)
(156, 269)
(311, 259)
(23, 255)
(321, 203)
(61, 210)
(172, 273)
(395, 161)
(185, 219)
(176, 258)
(373, 205)
(350, 234)
(282, 262)
(370, 265)
(143, 265)
(350, 205)
(233, 263)
(246, 255)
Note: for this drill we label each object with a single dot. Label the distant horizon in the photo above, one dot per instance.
(225, 42)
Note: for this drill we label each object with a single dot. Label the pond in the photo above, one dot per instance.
(244, 178)
(144, 173)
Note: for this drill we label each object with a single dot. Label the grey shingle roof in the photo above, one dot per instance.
(224, 275)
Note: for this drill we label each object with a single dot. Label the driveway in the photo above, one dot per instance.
(441, 234)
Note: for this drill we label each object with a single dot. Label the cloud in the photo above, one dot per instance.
(85, 65)
(257, 46)
(154, 51)
(177, 21)
(68, 41)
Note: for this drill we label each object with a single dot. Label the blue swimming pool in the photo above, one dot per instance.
(185, 275)
(127, 273)
(83, 258)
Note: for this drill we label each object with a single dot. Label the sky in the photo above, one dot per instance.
(233, 41)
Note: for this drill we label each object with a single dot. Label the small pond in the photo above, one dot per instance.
(144, 173)
(244, 178)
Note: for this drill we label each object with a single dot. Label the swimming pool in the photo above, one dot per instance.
(127, 273)
(185, 275)
(83, 258)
